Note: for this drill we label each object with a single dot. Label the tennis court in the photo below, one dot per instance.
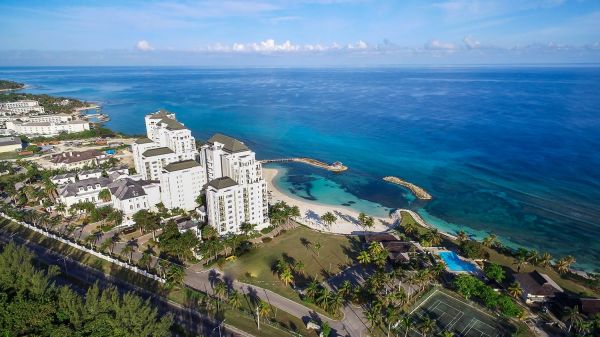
(457, 316)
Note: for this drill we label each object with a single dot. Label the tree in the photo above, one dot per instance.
(235, 299)
(406, 323)
(318, 247)
(104, 195)
(174, 275)
(490, 240)
(461, 236)
(564, 264)
(494, 272)
(447, 333)
(247, 227)
(545, 260)
(515, 290)
(264, 310)
(200, 200)
(143, 220)
(426, 326)
(364, 257)
(573, 316)
(325, 329)
(329, 218)
(313, 289)
(433, 237)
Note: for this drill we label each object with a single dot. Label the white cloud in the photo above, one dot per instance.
(471, 43)
(440, 45)
(144, 45)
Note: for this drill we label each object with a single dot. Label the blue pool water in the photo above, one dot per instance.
(509, 150)
(455, 264)
(110, 151)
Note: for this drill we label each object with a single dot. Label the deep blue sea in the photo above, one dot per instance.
(509, 150)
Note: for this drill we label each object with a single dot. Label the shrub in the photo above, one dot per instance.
(267, 239)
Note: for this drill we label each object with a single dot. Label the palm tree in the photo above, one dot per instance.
(345, 289)
(323, 298)
(433, 237)
(545, 260)
(406, 323)
(145, 260)
(318, 247)
(364, 257)
(336, 302)
(60, 208)
(490, 240)
(313, 289)
(462, 236)
(515, 290)
(520, 261)
(113, 242)
(174, 275)
(533, 257)
(573, 316)
(563, 265)
(392, 314)
(234, 299)
(362, 219)
(299, 267)
(115, 217)
(128, 252)
(426, 326)
(329, 218)
(264, 310)
(373, 315)
(286, 276)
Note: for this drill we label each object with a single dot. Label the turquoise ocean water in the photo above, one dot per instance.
(509, 150)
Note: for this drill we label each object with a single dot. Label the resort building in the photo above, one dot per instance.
(63, 179)
(537, 287)
(95, 173)
(46, 128)
(10, 144)
(76, 160)
(237, 191)
(168, 141)
(131, 196)
(23, 107)
(181, 183)
(86, 190)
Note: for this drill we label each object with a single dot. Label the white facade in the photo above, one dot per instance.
(131, 196)
(83, 191)
(225, 157)
(46, 128)
(168, 141)
(89, 174)
(10, 144)
(181, 183)
(23, 107)
(63, 179)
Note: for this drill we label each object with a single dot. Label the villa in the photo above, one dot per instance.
(75, 160)
(63, 179)
(131, 196)
(86, 190)
(537, 287)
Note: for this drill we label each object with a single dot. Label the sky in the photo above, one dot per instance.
(298, 32)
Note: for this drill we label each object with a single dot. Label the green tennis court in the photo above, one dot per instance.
(457, 316)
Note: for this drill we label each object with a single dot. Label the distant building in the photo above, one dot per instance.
(22, 107)
(10, 144)
(225, 205)
(74, 160)
(537, 287)
(181, 183)
(46, 129)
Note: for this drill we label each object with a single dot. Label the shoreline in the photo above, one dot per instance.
(310, 211)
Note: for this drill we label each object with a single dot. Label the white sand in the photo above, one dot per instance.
(311, 211)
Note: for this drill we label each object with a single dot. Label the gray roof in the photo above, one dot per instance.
(143, 141)
(159, 151)
(72, 189)
(63, 176)
(10, 141)
(90, 171)
(128, 188)
(229, 144)
(165, 117)
(221, 183)
(181, 165)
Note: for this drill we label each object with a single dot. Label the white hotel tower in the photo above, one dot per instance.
(169, 155)
(236, 191)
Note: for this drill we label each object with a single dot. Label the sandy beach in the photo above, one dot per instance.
(311, 211)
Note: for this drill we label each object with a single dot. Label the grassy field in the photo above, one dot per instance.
(299, 244)
(235, 318)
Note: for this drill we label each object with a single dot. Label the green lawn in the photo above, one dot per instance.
(255, 267)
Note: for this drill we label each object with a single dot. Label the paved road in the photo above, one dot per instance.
(353, 323)
(189, 319)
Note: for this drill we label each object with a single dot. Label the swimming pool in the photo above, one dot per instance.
(455, 264)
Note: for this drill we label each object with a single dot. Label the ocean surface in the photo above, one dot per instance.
(509, 150)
